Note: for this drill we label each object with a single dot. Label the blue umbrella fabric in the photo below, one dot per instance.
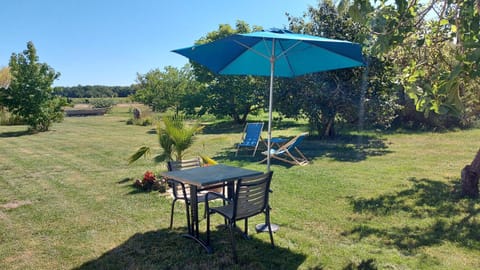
(274, 53)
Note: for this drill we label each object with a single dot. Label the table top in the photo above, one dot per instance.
(208, 175)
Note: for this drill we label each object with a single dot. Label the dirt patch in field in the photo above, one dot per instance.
(15, 204)
(82, 106)
(127, 105)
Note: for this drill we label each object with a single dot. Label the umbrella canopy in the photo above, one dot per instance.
(275, 53)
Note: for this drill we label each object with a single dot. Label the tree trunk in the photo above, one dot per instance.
(329, 128)
(470, 177)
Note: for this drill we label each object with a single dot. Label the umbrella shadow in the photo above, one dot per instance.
(454, 219)
(346, 148)
(166, 249)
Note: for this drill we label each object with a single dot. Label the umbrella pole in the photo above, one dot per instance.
(262, 227)
(270, 105)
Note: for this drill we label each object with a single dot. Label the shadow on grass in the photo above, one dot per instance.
(346, 148)
(349, 148)
(437, 212)
(166, 249)
(12, 134)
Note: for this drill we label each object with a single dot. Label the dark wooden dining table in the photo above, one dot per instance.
(201, 177)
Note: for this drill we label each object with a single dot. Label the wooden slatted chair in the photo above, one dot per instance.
(286, 152)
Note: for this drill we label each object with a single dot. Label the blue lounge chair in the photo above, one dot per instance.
(284, 152)
(251, 137)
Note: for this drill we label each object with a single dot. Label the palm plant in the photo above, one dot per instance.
(175, 137)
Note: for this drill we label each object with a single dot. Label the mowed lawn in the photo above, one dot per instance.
(378, 201)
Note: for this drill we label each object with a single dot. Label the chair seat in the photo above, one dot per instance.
(201, 197)
(274, 152)
(226, 210)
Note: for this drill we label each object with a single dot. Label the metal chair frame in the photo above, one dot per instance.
(250, 199)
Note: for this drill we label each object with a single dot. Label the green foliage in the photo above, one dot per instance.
(103, 103)
(233, 96)
(9, 119)
(354, 96)
(174, 137)
(434, 47)
(141, 152)
(163, 90)
(144, 121)
(5, 77)
(94, 91)
(30, 94)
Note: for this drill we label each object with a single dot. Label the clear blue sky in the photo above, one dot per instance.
(107, 42)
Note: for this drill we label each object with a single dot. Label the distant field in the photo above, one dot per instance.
(89, 100)
(385, 201)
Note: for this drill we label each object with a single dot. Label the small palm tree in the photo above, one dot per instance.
(174, 139)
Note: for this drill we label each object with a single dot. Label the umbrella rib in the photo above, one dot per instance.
(252, 49)
(284, 54)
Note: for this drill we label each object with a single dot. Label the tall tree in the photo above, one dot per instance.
(5, 77)
(350, 95)
(234, 96)
(162, 90)
(434, 48)
(30, 93)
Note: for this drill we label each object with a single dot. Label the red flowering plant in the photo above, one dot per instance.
(149, 178)
(150, 182)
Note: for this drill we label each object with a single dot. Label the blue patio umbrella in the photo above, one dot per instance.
(274, 53)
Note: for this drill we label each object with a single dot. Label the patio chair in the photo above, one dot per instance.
(251, 137)
(182, 192)
(285, 152)
(250, 199)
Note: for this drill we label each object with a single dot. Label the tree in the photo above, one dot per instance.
(162, 90)
(30, 94)
(5, 77)
(434, 48)
(94, 91)
(174, 137)
(233, 96)
(349, 95)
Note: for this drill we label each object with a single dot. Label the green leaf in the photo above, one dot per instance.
(454, 28)
(142, 151)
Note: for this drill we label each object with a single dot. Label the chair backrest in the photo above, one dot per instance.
(183, 164)
(251, 195)
(178, 188)
(252, 133)
(293, 142)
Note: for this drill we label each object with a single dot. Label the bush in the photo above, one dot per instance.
(8, 119)
(103, 103)
(146, 121)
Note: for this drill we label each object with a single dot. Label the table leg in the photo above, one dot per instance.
(193, 228)
(194, 210)
(230, 189)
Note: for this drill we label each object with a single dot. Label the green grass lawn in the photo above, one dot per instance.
(385, 201)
